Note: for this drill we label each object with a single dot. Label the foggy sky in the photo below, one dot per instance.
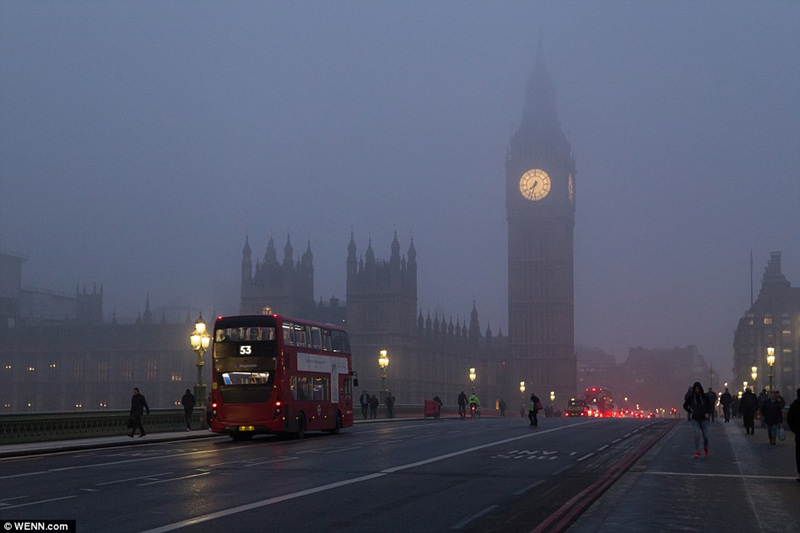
(141, 142)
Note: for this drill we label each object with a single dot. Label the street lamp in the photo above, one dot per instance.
(754, 374)
(200, 340)
(472, 376)
(770, 362)
(383, 361)
(522, 397)
(552, 400)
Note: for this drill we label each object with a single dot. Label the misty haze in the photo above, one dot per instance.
(144, 147)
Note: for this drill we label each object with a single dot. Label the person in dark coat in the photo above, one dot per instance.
(462, 405)
(772, 415)
(726, 400)
(373, 406)
(389, 405)
(793, 419)
(188, 405)
(699, 408)
(712, 397)
(138, 407)
(364, 401)
(747, 407)
(762, 397)
(533, 410)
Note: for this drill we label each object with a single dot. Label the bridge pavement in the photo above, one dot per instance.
(745, 484)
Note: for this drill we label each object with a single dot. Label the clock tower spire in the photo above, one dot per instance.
(540, 209)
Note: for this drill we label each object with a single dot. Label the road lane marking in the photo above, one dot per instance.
(469, 519)
(523, 490)
(249, 464)
(173, 479)
(38, 502)
(113, 463)
(278, 499)
(601, 448)
(262, 503)
(585, 457)
(150, 476)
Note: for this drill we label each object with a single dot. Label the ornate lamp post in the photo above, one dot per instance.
(553, 400)
(770, 362)
(754, 375)
(522, 397)
(472, 376)
(383, 362)
(200, 340)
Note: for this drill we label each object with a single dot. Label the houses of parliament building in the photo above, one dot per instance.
(51, 367)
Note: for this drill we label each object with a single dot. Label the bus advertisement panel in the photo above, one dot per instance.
(274, 374)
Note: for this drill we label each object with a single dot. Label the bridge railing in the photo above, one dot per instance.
(38, 427)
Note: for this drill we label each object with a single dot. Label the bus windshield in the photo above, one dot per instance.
(252, 333)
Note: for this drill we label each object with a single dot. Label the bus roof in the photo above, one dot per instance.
(268, 320)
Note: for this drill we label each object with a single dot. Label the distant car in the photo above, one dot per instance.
(575, 408)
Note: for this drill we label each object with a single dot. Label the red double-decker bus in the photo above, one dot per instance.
(274, 374)
(599, 402)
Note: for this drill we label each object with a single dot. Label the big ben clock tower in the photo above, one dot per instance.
(540, 208)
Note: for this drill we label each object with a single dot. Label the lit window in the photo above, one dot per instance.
(767, 320)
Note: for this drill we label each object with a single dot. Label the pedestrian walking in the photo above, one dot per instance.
(188, 404)
(793, 419)
(534, 405)
(762, 398)
(712, 398)
(698, 406)
(502, 406)
(389, 405)
(462, 405)
(138, 407)
(364, 401)
(373, 406)
(772, 415)
(726, 400)
(747, 407)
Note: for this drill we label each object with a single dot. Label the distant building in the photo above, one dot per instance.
(772, 320)
(427, 356)
(659, 378)
(56, 354)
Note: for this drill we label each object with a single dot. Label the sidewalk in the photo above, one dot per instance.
(745, 484)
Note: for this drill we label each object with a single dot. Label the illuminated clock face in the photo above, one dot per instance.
(534, 184)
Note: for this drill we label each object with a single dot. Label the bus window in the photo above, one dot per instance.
(300, 335)
(326, 340)
(321, 389)
(288, 338)
(316, 338)
(336, 340)
(345, 342)
(300, 386)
